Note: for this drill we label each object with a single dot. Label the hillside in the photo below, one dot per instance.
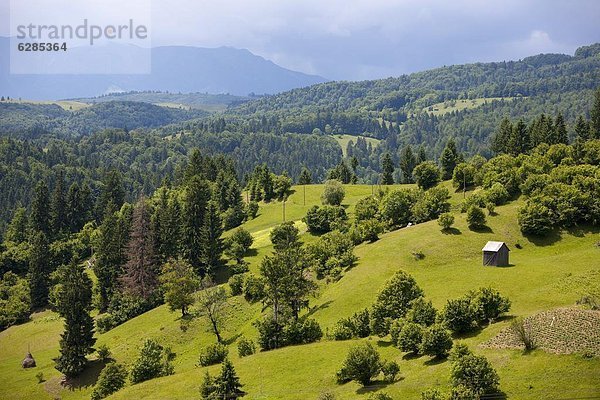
(545, 274)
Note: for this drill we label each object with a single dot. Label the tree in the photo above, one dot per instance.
(421, 312)
(16, 232)
(226, 385)
(166, 224)
(40, 216)
(112, 192)
(58, 210)
(560, 130)
(305, 177)
(595, 116)
(154, 361)
(463, 176)
(410, 337)
(140, 277)
(426, 175)
(15, 301)
(213, 300)
(459, 315)
(489, 304)
(500, 141)
(334, 193)
(475, 217)
(582, 128)
(211, 238)
(475, 373)
(520, 141)
(238, 244)
(196, 198)
(387, 170)
(436, 341)
(446, 220)
(179, 283)
(78, 208)
(325, 219)
(395, 207)
(39, 270)
(112, 379)
(74, 302)
(421, 156)
(362, 364)
(109, 256)
(393, 301)
(535, 218)
(449, 159)
(407, 164)
(284, 236)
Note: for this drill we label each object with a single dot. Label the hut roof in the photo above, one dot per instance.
(494, 246)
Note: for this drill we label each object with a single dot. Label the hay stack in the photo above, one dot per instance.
(28, 361)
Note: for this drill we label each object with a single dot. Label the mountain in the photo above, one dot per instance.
(174, 69)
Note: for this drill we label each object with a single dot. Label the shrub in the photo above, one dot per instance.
(334, 193)
(390, 370)
(426, 175)
(104, 353)
(343, 330)
(366, 208)
(436, 341)
(333, 250)
(270, 334)
(326, 396)
(154, 361)
(395, 207)
(421, 312)
(446, 220)
(104, 322)
(362, 364)
(459, 315)
(15, 299)
(432, 394)
(302, 332)
(488, 304)
(357, 326)
(474, 373)
(254, 288)
(497, 194)
(284, 235)
(430, 204)
(366, 231)
(213, 354)
(410, 338)
(395, 329)
(475, 217)
(236, 284)
(245, 347)
(461, 392)
(325, 219)
(380, 396)
(535, 218)
(463, 175)
(524, 333)
(111, 379)
(233, 217)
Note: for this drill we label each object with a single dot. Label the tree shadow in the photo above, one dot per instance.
(451, 231)
(319, 307)
(465, 335)
(435, 361)
(411, 356)
(481, 229)
(541, 241)
(231, 340)
(88, 377)
(251, 253)
(375, 386)
(384, 343)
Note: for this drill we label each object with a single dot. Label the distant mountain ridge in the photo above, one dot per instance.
(174, 69)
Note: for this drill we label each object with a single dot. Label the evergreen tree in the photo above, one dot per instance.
(502, 137)
(112, 192)
(40, 217)
(227, 383)
(74, 301)
(58, 207)
(560, 131)
(212, 244)
(421, 156)
(75, 212)
(519, 142)
(407, 164)
(582, 128)
(387, 170)
(197, 196)
(16, 232)
(140, 276)
(39, 270)
(109, 256)
(305, 177)
(595, 116)
(166, 222)
(449, 159)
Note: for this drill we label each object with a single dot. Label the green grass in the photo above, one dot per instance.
(343, 141)
(69, 105)
(545, 274)
(460, 105)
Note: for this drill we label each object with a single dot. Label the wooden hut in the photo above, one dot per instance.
(495, 254)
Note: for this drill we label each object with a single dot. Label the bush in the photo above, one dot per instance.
(410, 338)
(436, 341)
(254, 288)
(421, 312)
(462, 392)
(333, 250)
(154, 361)
(334, 193)
(426, 175)
(104, 353)
(213, 354)
(366, 208)
(395, 329)
(535, 218)
(326, 396)
(111, 379)
(245, 347)
(432, 394)
(430, 204)
(474, 373)
(357, 326)
(233, 217)
(380, 396)
(488, 304)
(325, 219)
(446, 220)
(459, 315)
(475, 217)
(395, 207)
(362, 364)
(463, 175)
(15, 300)
(236, 284)
(497, 194)
(284, 235)
(390, 370)
(302, 332)
(524, 333)
(270, 334)
(104, 323)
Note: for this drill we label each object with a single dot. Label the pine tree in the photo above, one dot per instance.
(74, 301)
(519, 142)
(228, 384)
(387, 170)
(502, 137)
(582, 128)
(595, 116)
(40, 217)
(212, 243)
(140, 276)
(449, 159)
(166, 222)
(16, 232)
(75, 213)
(407, 164)
(421, 156)
(112, 192)
(39, 271)
(305, 177)
(58, 207)
(197, 195)
(560, 131)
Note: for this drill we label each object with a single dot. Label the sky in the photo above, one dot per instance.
(365, 39)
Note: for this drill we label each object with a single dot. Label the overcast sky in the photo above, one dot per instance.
(364, 39)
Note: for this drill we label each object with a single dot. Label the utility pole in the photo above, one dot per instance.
(284, 208)
(304, 193)
(464, 184)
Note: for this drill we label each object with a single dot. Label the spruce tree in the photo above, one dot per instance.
(39, 271)
(449, 159)
(40, 217)
(502, 137)
(560, 131)
(112, 192)
(166, 222)
(16, 232)
(595, 116)
(407, 164)
(305, 177)
(140, 277)
(58, 207)
(212, 244)
(582, 128)
(387, 170)
(74, 302)
(519, 141)
(197, 195)
(228, 384)
(109, 256)
(421, 156)
(75, 213)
